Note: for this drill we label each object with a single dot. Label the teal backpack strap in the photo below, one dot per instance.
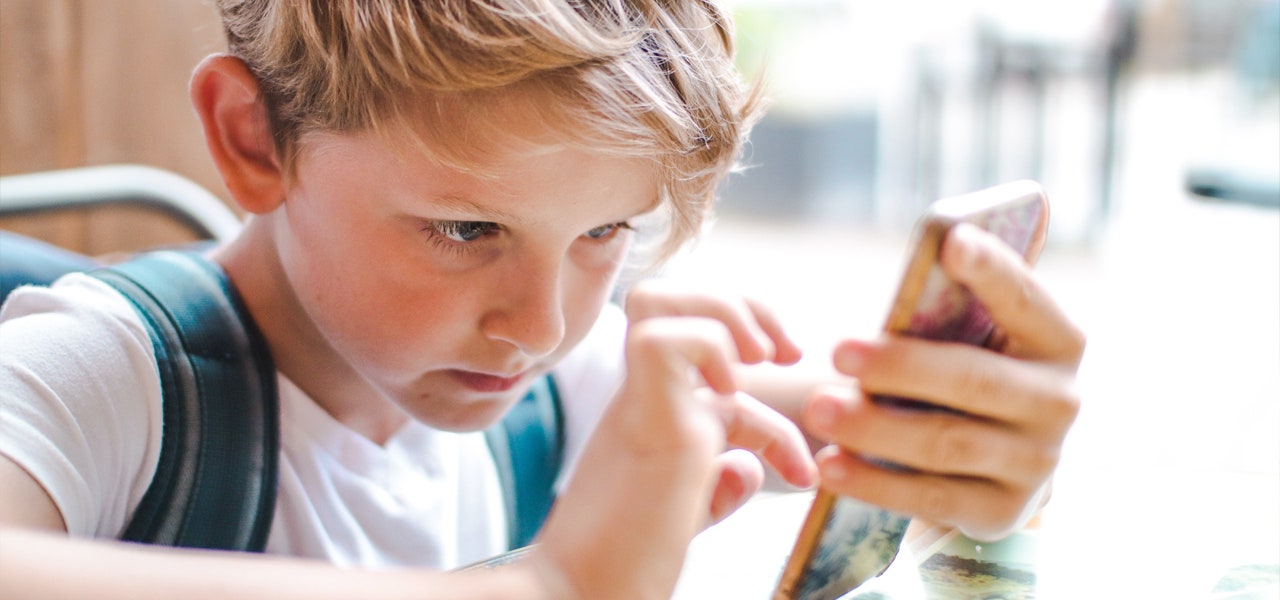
(528, 448)
(215, 484)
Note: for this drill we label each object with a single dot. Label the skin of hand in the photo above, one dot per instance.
(986, 468)
(660, 466)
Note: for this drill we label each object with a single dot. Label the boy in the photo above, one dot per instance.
(442, 196)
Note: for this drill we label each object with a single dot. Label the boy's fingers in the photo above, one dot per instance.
(786, 350)
(751, 425)
(740, 477)
(940, 442)
(1034, 325)
(983, 509)
(756, 331)
(663, 350)
(971, 380)
(661, 354)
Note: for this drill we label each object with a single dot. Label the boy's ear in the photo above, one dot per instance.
(236, 130)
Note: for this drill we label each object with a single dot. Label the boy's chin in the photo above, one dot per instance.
(467, 416)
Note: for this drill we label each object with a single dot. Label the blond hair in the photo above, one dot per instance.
(651, 78)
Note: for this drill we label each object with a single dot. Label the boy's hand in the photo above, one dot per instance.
(736, 332)
(655, 471)
(986, 470)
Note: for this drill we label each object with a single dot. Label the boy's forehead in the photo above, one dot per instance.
(516, 111)
(507, 168)
(486, 144)
(467, 130)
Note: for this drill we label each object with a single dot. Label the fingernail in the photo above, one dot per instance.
(849, 357)
(823, 415)
(834, 470)
(961, 243)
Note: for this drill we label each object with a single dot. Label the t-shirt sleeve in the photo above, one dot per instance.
(80, 400)
(587, 380)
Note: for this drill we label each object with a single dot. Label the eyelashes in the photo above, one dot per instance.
(462, 232)
(466, 237)
(458, 238)
(605, 232)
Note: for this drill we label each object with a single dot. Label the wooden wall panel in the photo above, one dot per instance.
(84, 82)
(39, 86)
(40, 127)
(135, 79)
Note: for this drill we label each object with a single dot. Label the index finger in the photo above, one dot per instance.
(1034, 326)
(756, 330)
(751, 425)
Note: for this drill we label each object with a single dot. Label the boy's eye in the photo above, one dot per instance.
(606, 231)
(463, 231)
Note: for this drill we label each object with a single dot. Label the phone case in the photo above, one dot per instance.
(844, 542)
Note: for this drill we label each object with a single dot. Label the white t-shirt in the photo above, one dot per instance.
(80, 410)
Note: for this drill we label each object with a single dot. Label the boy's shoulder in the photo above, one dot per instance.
(76, 307)
(187, 339)
(78, 373)
(76, 320)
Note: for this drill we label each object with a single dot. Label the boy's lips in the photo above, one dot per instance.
(484, 382)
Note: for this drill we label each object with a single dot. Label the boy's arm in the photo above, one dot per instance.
(39, 560)
(40, 564)
(23, 502)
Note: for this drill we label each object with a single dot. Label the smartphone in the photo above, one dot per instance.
(843, 542)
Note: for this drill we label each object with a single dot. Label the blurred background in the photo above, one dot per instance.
(1153, 124)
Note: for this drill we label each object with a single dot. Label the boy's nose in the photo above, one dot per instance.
(528, 312)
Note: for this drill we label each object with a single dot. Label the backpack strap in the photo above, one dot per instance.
(28, 261)
(528, 448)
(215, 484)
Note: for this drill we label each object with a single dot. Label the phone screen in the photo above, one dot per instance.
(844, 542)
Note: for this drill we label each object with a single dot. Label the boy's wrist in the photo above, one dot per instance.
(548, 577)
(531, 576)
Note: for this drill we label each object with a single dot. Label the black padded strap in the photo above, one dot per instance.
(215, 484)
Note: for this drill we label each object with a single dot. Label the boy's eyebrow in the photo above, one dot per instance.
(483, 213)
